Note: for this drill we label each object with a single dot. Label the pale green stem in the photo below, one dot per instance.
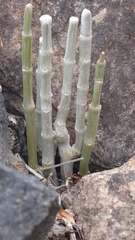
(62, 136)
(83, 82)
(28, 103)
(93, 116)
(46, 94)
(38, 102)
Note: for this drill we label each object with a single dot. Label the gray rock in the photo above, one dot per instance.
(4, 131)
(27, 207)
(6, 156)
(105, 203)
(113, 32)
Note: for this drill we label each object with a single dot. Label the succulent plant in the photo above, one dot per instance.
(51, 137)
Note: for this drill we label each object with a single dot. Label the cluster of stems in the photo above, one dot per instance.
(49, 139)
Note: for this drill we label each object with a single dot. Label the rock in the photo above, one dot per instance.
(27, 207)
(113, 32)
(58, 232)
(6, 156)
(104, 203)
(17, 127)
(4, 131)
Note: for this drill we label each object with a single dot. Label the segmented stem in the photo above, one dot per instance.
(28, 103)
(83, 82)
(93, 116)
(46, 94)
(38, 101)
(62, 136)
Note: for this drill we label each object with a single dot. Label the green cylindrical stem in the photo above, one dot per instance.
(83, 82)
(89, 139)
(27, 19)
(86, 153)
(28, 103)
(93, 116)
(98, 80)
(38, 102)
(27, 38)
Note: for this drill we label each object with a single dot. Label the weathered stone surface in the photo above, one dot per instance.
(4, 131)
(113, 32)
(105, 203)
(27, 207)
(6, 156)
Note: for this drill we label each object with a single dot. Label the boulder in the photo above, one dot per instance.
(104, 203)
(113, 32)
(27, 207)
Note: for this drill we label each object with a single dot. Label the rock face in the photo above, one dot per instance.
(105, 203)
(4, 131)
(27, 207)
(113, 32)
(6, 156)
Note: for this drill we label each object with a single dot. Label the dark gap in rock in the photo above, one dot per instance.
(95, 168)
(57, 161)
